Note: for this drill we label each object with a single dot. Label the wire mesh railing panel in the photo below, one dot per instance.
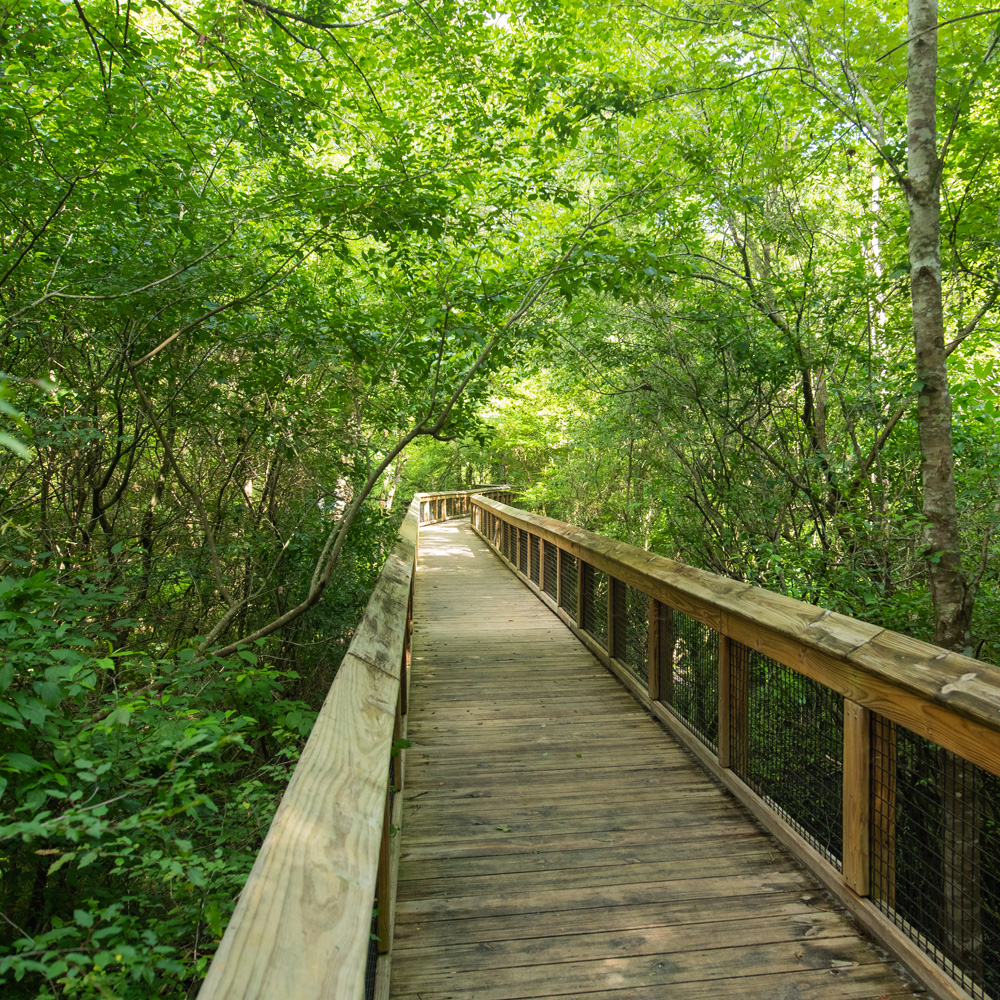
(695, 670)
(550, 559)
(786, 735)
(595, 608)
(935, 858)
(505, 539)
(636, 633)
(522, 551)
(534, 543)
(371, 965)
(569, 571)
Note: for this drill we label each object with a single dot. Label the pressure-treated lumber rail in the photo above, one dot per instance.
(891, 687)
(436, 507)
(303, 926)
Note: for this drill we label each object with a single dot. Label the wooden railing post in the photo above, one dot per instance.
(660, 651)
(725, 701)
(734, 699)
(857, 796)
(541, 565)
(883, 810)
(616, 619)
(559, 576)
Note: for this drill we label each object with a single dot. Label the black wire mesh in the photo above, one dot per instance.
(569, 570)
(551, 560)
(595, 603)
(536, 557)
(695, 688)
(522, 551)
(635, 634)
(371, 966)
(786, 736)
(935, 859)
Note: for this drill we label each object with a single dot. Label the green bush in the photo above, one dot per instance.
(135, 793)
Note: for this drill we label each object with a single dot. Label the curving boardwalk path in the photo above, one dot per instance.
(556, 842)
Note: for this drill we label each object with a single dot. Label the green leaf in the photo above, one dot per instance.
(63, 859)
(120, 717)
(51, 694)
(21, 762)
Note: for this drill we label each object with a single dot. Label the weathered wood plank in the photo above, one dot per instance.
(664, 970)
(430, 931)
(857, 797)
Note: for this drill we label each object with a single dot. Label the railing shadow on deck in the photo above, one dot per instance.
(315, 917)
(872, 756)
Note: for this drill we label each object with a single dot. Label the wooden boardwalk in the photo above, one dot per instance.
(556, 841)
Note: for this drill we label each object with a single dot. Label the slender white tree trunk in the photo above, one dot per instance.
(952, 606)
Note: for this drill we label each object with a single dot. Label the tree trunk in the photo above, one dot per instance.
(952, 599)
(952, 606)
(392, 483)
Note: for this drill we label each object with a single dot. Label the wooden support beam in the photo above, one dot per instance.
(725, 702)
(739, 704)
(883, 811)
(857, 797)
(660, 649)
(616, 619)
(584, 594)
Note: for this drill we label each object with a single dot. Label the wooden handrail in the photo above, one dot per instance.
(446, 504)
(303, 923)
(887, 680)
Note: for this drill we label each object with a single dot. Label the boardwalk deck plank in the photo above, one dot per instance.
(558, 843)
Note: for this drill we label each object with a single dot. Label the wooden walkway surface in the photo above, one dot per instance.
(556, 842)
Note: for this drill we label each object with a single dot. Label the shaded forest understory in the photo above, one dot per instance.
(718, 279)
